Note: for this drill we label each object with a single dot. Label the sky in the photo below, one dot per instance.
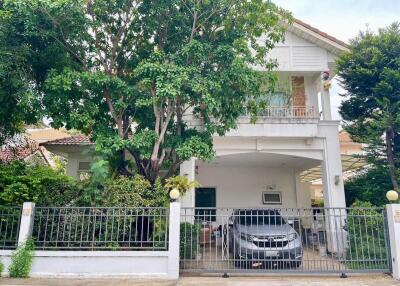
(343, 19)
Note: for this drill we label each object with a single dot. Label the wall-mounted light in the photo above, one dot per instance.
(337, 180)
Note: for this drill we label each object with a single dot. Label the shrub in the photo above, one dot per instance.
(1, 268)
(134, 191)
(21, 260)
(189, 240)
(365, 226)
(20, 182)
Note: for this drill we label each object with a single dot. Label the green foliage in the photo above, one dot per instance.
(18, 102)
(129, 82)
(21, 260)
(182, 183)
(317, 203)
(1, 268)
(366, 233)
(370, 73)
(60, 165)
(189, 245)
(134, 192)
(370, 185)
(20, 183)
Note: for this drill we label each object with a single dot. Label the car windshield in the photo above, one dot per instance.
(257, 217)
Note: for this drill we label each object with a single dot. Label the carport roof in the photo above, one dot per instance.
(349, 163)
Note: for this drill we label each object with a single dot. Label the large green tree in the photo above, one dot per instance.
(18, 104)
(128, 72)
(369, 185)
(370, 74)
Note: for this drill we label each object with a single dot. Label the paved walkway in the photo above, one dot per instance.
(381, 280)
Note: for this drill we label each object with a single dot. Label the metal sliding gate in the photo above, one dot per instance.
(315, 240)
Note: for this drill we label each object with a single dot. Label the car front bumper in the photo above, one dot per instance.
(270, 254)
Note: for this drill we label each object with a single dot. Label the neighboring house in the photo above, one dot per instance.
(262, 164)
(76, 149)
(45, 134)
(22, 148)
(27, 147)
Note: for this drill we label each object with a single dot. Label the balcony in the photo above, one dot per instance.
(290, 112)
(274, 121)
(278, 121)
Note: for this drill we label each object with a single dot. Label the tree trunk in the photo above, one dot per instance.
(390, 157)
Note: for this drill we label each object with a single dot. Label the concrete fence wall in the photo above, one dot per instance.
(154, 264)
(393, 220)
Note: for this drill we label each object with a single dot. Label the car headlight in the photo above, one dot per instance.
(292, 236)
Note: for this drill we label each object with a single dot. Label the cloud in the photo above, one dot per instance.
(344, 18)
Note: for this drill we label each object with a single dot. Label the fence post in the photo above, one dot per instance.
(174, 239)
(393, 217)
(26, 225)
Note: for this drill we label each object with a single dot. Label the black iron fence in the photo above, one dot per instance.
(100, 228)
(284, 240)
(9, 226)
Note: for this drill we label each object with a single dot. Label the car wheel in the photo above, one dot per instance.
(242, 264)
(295, 264)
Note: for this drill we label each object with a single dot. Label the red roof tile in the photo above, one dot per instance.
(9, 153)
(69, 141)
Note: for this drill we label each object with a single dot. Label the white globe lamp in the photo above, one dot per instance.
(174, 194)
(392, 196)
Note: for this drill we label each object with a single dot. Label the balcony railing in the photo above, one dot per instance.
(295, 112)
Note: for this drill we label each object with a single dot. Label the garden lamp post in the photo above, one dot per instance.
(174, 194)
(392, 196)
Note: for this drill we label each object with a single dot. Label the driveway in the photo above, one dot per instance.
(380, 280)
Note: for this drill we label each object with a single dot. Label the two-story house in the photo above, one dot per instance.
(262, 164)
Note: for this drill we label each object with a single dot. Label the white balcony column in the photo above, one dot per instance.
(333, 188)
(326, 99)
(188, 168)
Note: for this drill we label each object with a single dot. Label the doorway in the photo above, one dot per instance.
(205, 203)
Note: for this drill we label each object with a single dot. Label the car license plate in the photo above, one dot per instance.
(271, 253)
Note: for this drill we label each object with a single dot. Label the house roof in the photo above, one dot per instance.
(47, 134)
(8, 153)
(318, 37)
(78, 140)
(322, 34)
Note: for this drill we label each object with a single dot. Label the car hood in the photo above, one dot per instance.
(284, 229)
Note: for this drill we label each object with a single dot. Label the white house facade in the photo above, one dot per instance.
(295, 133)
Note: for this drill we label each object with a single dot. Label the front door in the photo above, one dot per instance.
(205, 201)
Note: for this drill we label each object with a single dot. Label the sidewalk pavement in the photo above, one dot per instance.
(374, 280)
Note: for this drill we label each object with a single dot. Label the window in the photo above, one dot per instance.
(83, 170)
(272, 198)
(279, 99)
